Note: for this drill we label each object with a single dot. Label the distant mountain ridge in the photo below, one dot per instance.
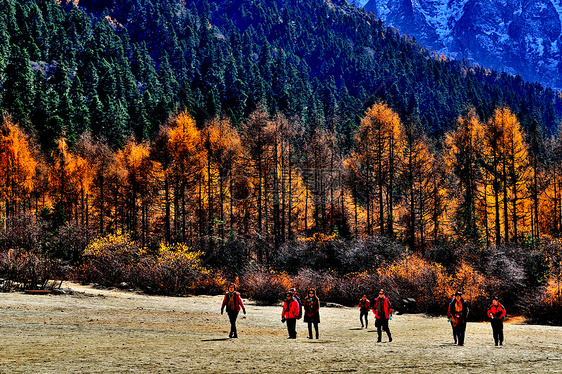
(520, 37)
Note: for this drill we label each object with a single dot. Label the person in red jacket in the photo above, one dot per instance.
(233, 303)
(290, 314)
(364, 307)
(497, 313)
(458, 313)
(312, 312)
(383, 312)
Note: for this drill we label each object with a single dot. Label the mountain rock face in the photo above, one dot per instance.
(520, 37)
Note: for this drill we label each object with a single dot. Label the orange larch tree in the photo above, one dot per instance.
(377, 147)
(507, 164)
(17, 168)
(139, 187)
(187, 171)
(223, 148)
(69, 177)
(417, 170)
(462, 152)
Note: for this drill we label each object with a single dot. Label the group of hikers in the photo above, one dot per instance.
(457, 314)
(294, 309)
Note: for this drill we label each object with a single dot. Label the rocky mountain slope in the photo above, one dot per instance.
(520, 37)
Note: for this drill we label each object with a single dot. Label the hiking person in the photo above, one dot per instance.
(451, 321)
(497, 314)
(383, 312)
(364, 307)
(290, 314)
(458, 313)
(296, 297)
(312, 312)
(233, 303)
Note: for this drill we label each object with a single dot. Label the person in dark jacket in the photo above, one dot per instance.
(497, 314)
(312, 312)
(364, 307)
(458, 313)
(383, 312)
(233, 303)
(290, 314)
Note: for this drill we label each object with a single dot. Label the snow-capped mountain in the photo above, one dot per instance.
(520, 37)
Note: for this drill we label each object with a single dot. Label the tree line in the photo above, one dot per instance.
(485, 182)
(113, 68)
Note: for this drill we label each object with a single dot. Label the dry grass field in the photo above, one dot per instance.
(88, 330)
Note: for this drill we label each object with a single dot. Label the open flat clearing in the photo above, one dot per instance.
(106, 331)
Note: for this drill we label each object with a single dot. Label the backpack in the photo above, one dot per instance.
(300, 306)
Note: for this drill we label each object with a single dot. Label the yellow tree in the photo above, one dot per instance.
(99, 158)
(17, 167)
(258, 141)
(139, 187)
(550, 202)
(322, 174)
(186, 167)
(507, 163)
(70, 177)
(286, 179)
(462, 152)
(417, 176)
(377, 147)
(223, 148)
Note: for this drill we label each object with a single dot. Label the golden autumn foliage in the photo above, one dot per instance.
(113, 244)
(185, 144)
(319, 238)
(416, 277)
(377, 146)
(506, 182)
(178, 256)
(17, 165)
(70, 176)
(553, 289)
(273, 179)
(470, 282)
(174, 269)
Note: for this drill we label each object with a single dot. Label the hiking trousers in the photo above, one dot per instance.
(497, 329)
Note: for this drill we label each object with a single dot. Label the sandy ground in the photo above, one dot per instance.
(101, 331)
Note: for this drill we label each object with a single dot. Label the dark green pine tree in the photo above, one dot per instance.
(96, 111)
(115, 121)
(19, 89)
(90, 77)
(170, 89)
(80, 117)
(42, 110)
(65, 111)
(235, 91)
(39, 32)
(52, 125)
(55, 35)
(146, 126)
(60, 79)
(108, 85)
(4, 56)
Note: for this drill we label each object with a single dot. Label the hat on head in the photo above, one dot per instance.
(292, 289)
(458, 293)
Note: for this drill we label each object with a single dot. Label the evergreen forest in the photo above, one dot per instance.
(264, 140)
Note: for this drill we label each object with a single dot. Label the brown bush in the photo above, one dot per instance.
(24, 270)
(414, 277)
(266, 287)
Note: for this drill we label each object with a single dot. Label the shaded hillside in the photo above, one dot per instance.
(116, 67)
(518, 37)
